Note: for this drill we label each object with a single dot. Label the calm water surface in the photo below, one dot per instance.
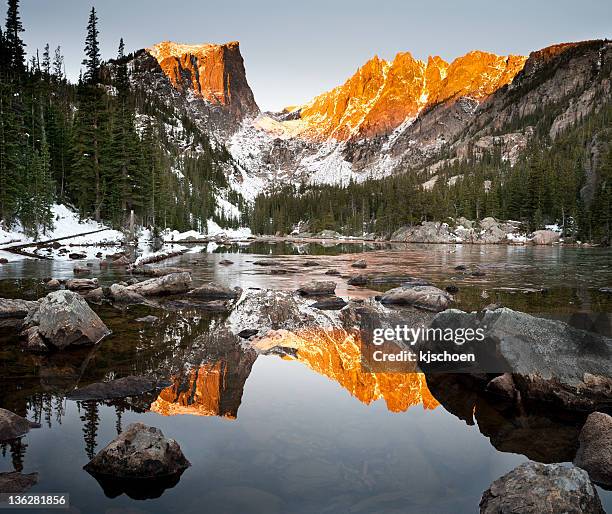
(305, 434)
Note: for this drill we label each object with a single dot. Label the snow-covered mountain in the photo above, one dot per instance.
(404, 115)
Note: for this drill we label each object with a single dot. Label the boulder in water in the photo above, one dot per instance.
(214, 291)
(318, 288)
(138, 452)
(595, 452)
(422, 297)
(13, 426)
(174, 283)
(15, 482)
(534, 488)
(64, 319)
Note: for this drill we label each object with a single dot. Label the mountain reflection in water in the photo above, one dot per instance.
(337, 354)
(216, 388)
(212, 389)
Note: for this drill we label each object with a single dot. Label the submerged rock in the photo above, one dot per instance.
(214, 291)
(361, 263)
(217, 306)
(333, 272)
(422, 297)
(503, 387)
(33, 341)
(147, 319)
(96, 295)
(123, 294)
(150, 271)
(139, 451)
(15, 482)
(119, 388)
(318, 288)
(357, 280)
(13, 426)
(64, 319)
(77, 270)
(226, 262)
(270, 262)
(542, 433)
(82, 284)
(330, 304)
(17, 309)
(405, 280)
(534, 488)
(595, 451)
(174, 283)
(53, 284)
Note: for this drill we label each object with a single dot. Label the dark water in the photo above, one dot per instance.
(307, 434)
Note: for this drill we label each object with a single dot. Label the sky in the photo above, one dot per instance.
(295, 49)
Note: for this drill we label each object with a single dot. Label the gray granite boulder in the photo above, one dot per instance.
(534, 488)
(423, 297)
(174, 283)
(13, 426)
(139, 451)
(595, 451)
(64, 319)
(545, 237)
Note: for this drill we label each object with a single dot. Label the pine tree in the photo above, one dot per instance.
(46, 62)
(58, 65)
(92, 50)
(14, 43)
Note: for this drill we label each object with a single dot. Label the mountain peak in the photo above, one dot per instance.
(214, 72)
(382, 94)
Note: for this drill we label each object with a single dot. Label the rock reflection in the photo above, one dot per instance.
(337, 354)
(137, 489)
(212, 389)
(540, 434)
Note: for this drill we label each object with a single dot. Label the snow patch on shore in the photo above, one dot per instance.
(65, 223)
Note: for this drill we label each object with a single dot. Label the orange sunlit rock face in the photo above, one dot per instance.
(383, 94)
(214, 72)
(337, 354)
(213, 389)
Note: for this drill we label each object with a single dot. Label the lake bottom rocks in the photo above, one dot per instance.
(15, 482)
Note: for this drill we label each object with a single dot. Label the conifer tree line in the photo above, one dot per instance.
(97, 145)
(545, 186)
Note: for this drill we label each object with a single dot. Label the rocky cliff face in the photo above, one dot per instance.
(214, 73)
(384, 94)
(205, 83)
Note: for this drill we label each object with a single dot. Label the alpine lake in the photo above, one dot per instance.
(309, 432)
